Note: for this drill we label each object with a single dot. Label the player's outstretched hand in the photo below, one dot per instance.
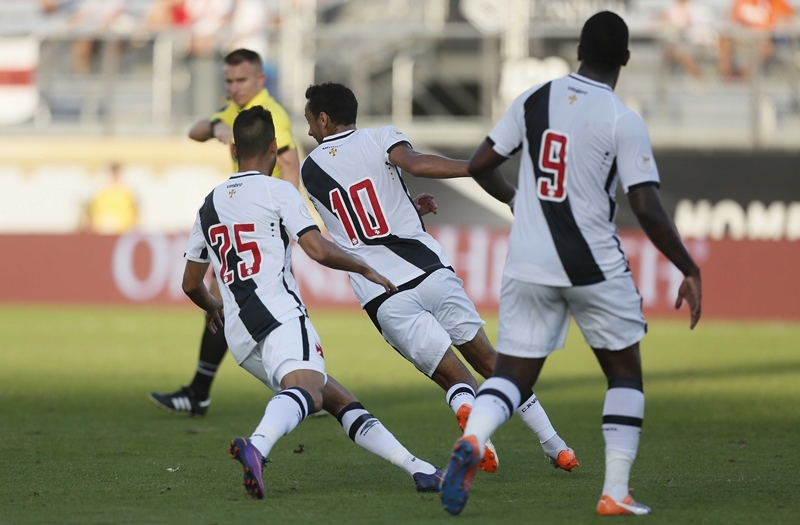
(214, 317)
(691, 290)
(377, 278)
(425, 204)
(223, 133)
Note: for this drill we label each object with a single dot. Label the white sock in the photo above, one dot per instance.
(494, 405)
(283, 413)
(459, 395)
(532, 413)
(623, 413)
(369, 433)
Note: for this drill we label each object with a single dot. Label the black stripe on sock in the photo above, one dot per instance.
(499, 395)
(355, 405)
(297, 400)
(623, 420)
(626, 382)
(358, 423)
(309, 400)
(460, 390)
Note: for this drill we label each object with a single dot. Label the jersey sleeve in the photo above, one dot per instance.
(196, 247)
(635, 161)
(388, 137)
(506, 137)
(297, 219)
(283, 129)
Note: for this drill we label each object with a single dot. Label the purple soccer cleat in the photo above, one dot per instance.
(428, 482)
(252, 461)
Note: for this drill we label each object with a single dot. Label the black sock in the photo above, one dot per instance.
(212, 350)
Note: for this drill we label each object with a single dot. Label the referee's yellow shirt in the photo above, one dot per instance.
(283, 127)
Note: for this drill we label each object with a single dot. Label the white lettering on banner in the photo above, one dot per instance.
(123, 269)
(728, 218)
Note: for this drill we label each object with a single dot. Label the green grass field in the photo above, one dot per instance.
(81, 444)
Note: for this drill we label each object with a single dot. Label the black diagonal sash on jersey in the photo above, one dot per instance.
(255, 316)
(319, 184)
(573, 250)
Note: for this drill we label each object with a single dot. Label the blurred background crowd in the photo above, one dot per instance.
(717, 72)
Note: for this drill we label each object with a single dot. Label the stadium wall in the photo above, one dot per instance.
(742, 279)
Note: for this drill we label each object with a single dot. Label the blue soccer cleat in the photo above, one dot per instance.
(252, 461)
(428, 482)
(460, 472)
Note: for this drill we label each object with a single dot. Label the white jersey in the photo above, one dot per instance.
(367, 209)
(577, 140)
(243, 228)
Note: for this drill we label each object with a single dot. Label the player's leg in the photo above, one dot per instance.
(411, 329)
(448, 302)
(610, 317)
(195, 399)
(368, 432)
(287, 363)
(533, 322)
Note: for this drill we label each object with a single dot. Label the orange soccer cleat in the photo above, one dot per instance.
(607, 506)
(490, 462)
(566, 460)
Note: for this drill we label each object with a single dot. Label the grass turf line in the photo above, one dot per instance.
(80, 443)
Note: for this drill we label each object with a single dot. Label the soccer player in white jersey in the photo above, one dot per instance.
(354, 180)
(577, 140)
(243, 228)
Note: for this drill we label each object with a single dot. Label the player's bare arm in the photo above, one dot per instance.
(426, 165)
(328, 254)
(289, 164)
(203, 130)
(195, 289)
(657, 224)
(483, 168)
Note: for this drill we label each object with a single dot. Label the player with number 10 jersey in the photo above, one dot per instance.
(354, 180)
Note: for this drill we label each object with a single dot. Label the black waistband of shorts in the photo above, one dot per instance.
(373, 305)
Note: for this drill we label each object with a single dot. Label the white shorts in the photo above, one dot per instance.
(422, 322)
(534, 318)
(294, 345)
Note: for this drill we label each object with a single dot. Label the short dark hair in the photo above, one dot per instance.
(337, 100)
(234, 58)
(604, 40)
(253, 131)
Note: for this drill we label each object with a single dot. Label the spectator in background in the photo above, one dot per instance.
(689, 27)
(95, 18)
(249, 27)
(114, 209)
(764, 16)
(167, 14)
(208, 18)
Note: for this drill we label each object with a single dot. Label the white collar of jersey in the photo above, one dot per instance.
(245, 174)
(581, 78)
(341, 135)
